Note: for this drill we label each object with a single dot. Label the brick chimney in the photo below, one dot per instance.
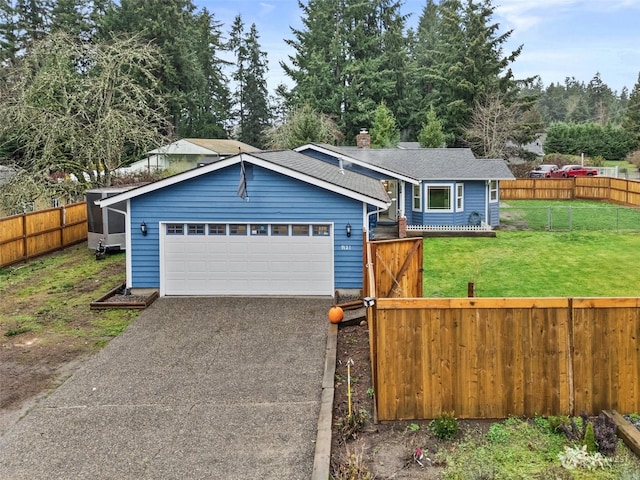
(363, 139)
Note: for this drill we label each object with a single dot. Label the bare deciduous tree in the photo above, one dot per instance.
(491, 126)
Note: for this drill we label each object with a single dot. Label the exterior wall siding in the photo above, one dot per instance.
(271, 198)
(474, 201)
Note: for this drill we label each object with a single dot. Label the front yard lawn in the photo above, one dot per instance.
(534, 264)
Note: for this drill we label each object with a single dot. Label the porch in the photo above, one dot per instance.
(390, 230)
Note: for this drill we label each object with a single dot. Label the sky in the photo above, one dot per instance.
(560, 38)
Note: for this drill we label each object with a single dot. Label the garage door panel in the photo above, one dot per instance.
(247, 264)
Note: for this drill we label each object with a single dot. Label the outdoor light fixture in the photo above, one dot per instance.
(143, 229)
(348, 229)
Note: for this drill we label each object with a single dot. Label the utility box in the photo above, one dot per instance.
(106, 223)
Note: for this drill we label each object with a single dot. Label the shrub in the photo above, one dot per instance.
(578, 457)
(589, 439)
(352, 467)
(498, 433)
(555, 423)
(444, 426)
(605, 434)
(576, 429)
(352, 424)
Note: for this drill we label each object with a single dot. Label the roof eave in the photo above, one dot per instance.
(232, 161)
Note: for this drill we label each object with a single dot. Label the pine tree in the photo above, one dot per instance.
(71, 17)
(187, 42)
(600, 99)
(631, 121)
(251, 94)
(350, 56)
(317, 67)
(8, 34)
(467, 62)
(384, 130)
(432, 134)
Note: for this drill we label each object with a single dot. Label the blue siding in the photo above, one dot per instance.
(272, 198)
(474, 201)
(494, 211)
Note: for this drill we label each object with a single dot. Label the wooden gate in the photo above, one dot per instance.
(397, 268)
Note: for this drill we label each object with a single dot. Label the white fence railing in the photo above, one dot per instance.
(483, 227)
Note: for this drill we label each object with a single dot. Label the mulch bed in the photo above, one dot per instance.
(118, 298)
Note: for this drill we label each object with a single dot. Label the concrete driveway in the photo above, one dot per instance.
(195, 388)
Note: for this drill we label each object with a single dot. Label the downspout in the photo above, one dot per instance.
(486, 202)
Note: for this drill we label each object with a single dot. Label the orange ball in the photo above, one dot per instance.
(336, 314)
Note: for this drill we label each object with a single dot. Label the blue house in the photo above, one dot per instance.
(431, 189)
(259, 223)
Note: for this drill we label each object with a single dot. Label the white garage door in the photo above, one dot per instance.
(247, 259)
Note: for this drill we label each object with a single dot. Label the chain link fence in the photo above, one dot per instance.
(570, 218)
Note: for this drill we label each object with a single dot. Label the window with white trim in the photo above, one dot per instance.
(417, 198)
(493, 191)
(439, 198)
(460, 197)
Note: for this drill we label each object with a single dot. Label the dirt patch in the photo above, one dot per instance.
(31, 365)
(387, 449)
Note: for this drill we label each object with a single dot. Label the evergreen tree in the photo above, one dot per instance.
(187, 41)
(631, 121)
(8, 33)
(600, 100)
(33, 21)
(211, 109)
(251, 95)
(68, 16)
(350, 56)
(466, 62)
(384, 130)
(432, 134)
(552, 104)
(317, 68)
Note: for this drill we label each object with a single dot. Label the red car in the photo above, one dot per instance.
(574, 171)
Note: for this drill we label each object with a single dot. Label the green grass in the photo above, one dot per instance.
(517, 449)
(569, 215)
(534, 264)
(51, 296)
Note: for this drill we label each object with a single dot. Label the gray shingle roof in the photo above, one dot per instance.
(326, 172)
(430, 163)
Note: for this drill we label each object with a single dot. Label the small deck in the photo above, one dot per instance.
(390, 231)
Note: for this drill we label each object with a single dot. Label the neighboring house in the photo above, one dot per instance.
(262, 223)
(432, 188)
(534, 148)
(5, 174)
(188, 153)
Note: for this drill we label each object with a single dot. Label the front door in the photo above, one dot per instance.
(391, 214)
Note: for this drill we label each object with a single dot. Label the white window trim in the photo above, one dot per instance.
(451, 197)
(414, 196)
(492, 190)
(459, 197)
